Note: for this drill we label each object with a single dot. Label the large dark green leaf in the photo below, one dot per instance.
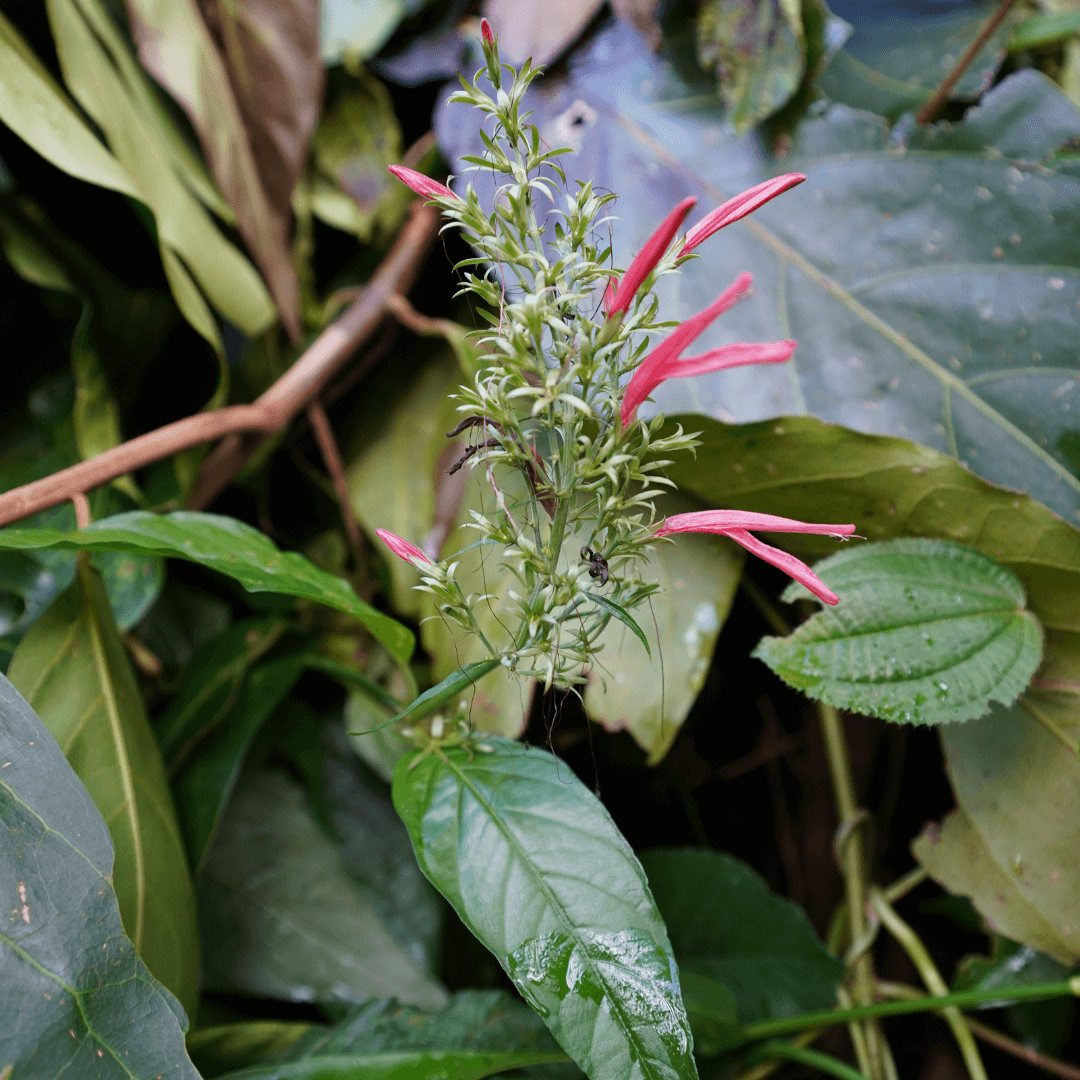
(73, 670)
(536, 869)
(227, 546)
(75, 997)
(933, 293)
(206, 783)
(282, 918)
(726, 925)
(478, 1033)
(926, 632)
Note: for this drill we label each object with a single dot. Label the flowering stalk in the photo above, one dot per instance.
(552, 417)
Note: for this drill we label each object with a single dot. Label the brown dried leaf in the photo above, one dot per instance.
(251, 88)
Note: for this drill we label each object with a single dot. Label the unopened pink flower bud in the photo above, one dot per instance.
(485, 31)
(649, 256)
(739, 207)
(421, 184)
(402, 548)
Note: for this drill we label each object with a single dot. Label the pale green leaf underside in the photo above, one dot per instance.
(926, 632)
(228, 546)
(537, 870)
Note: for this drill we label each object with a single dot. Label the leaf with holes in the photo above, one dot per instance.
(933, 293)
(228, 546)
(926, 632)
(72, 669)
(76, 998)
(536, 869)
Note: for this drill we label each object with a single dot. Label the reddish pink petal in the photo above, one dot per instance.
(401, 548)
(729, 356)
(421, 184)
(609, 295)
(485, 30)
(650, 255)
(788, 563)
(739, 207)
(654, 369)
(722, 521)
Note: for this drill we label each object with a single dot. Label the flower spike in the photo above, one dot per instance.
(402, 548)
(649, 256)
(739, 207)
(421, 184)
(657, 365)
(736, 523)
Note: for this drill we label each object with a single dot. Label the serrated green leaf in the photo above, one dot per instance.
(280, 916)
(205, 784)
(926, 632)
(726, 925)
(228, 546)
(85, 1002)
(72, 669)
(536, 869)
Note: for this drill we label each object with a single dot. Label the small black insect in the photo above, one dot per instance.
(598, 567)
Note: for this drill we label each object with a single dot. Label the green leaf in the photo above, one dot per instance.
(536, 869)
(351, 30)
(932, 296)
(725, 925)
(280, 916)
(651, 698)
(228, 546)
(1044, 30)
(926, 632)
(219, 1049)
(85, 1002)
(203, 788)
(210, 685)
(457, 682)
(713, 1014)
(478, 1033)
(72, 669)
(758, 51)
(1011, 844)
(619, 612)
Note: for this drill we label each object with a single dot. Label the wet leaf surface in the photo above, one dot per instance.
(282, 918)
(73, 670)
(726, 925)
(75, 995)
(933, 293)
(925, 632)
(536, 869)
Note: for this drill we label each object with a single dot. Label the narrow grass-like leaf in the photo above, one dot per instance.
(1044, 30)
(620, 613)
(228, 546)
(73, 670)
(75, 997)
(926, 632)
(430, 700)
(537, 870)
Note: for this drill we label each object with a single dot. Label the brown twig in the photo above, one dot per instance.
(331, 455)
(941, 95)
(291, 394)
(82, 509)
(1024, 1053)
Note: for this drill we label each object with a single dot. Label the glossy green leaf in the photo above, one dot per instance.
(228, 546)
(650, 696)
(933, 293)
(211, 682)
(1012, 844)
(457, 682)
(617, 611)
(926, 632)
(224, 1047)
(535, 867)
(281, 917)
(758, 51)
(1044, 30)
(73, 670)
(477, 1034)
(85, 1003)
(725, 925)
(205, 784)
(713, 1014)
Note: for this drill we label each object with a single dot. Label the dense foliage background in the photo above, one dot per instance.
(190, 194)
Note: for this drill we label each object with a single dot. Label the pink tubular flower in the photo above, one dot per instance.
(485, 31)
(739, 207)
(421, 184)
(402, 548)
(736, 523)
(649, 256)
(663, 362)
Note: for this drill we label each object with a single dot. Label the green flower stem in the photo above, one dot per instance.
(902, 886)
(804, 1055)
(853, 866)
(965, 999)
(928, 972)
